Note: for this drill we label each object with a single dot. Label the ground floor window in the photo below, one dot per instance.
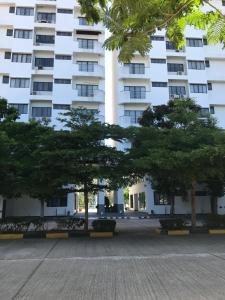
(161, 199)
(131, 201)
(142, 202)
(57, 201)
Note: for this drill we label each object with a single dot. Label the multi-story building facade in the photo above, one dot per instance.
(196, 71)
(50, 59)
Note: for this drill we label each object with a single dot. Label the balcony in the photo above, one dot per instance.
(125, 72)
(95, 71)
(97, 96)
(179, 75)
(134, 97)
(96, 49)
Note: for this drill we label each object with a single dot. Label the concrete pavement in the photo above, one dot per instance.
(135, 264)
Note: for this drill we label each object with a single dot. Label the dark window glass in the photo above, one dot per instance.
(64, 11)
(62, 81)
(212, 109)
(136, 92)
(9, 32)
(57, 202)
(158, 61)
(21, 108)
(25, 11)
(175, 67)
(209, 86)
(61, 106)
(196, 65)
(19, 82)
(86, 90)
(136, 68)
(204, 112)
(42, 86)
(44, 62)
(11, 9)
(207, 63)
(161, 199)
(45, 39)
(46, 17)
(64, 33)
(5, 79)
(22, 34)
(7, 55)
(159, 84)
(41, 112)
(21, 58)
(177, 90)
(87, 66)
(198, 88)
(134, 115)
(63, 57)
(194, 42)
(86, 43)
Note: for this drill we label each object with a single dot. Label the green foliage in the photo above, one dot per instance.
(131, 23)
(104, 225)
(172, 224)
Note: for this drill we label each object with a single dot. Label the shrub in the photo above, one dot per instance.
(172, 224)
(104, 225)
(215, 221)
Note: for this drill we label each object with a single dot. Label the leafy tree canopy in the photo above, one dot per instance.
(132, 22)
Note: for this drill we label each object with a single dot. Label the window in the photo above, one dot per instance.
(21, 108)
(196, 65)
(194, 42)
(177, 90)
(41, 112)
(87, 66)
(57, 202)
(62, 81)
(158, 61)
(161, 199)
(142, 202)
(201, 193)
(159, 84)
(19, 82)
(64, 33)
(11, 9)
(209, 86)
(170, 46)
(5, 79)
(42, 86)
(175, 67)
(61, 106)
(198, 88)
(136, 92)
(83, 21)
(45, 39)
(136, 68)
(207, 63)
(157, 38)
(64, 11)
(86, 43)
(63, 57)
(223, 2)
(204, 112)
(131, 201)
(212, 109)
(9, 32)
(134, 115)
(46, 17)
(7, 55)
(25, 11)
(21, 58)
(86, 90)
(22, 34)
(44, 62)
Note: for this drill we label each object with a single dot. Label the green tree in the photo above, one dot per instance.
(180, 150)
(131, 23)
(76, 159)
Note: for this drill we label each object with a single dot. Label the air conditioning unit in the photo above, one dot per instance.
(40, 67)
(175, 96)
(179, 73)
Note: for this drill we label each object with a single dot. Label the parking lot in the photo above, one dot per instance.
(135, 264)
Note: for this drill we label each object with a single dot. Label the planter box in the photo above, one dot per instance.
(11, 236)
(179, 232)
(57, 235)
(216, 231)
(95, 234)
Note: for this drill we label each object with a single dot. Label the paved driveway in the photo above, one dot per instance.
(135, 264)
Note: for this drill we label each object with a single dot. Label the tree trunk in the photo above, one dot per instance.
(3, 210)
(213, 201)
(172, 200)
(86, 208)
(193, 206)
(42, 209)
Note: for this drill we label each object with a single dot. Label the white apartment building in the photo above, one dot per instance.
(197, 71)
(50, 59)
